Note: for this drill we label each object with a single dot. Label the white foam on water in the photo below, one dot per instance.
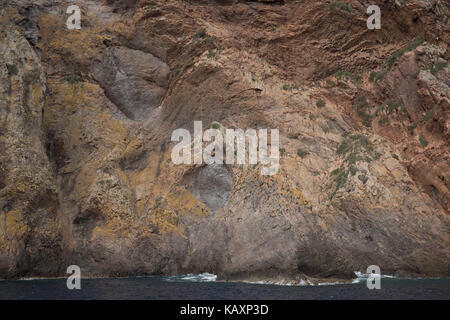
(40, 278)
(203, 277)
(208, 277)
(301, 283)
(364, 276)
(331, 283)
(278, 283)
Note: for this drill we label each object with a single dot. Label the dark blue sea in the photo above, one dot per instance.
(201, 288)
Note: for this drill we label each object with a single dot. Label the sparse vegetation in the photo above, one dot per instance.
(363, 178)
(423, 141)
(289, 87)
(412, 127)
(405, 112)
(383, 120)
(438, 67)
(346, 75)
(355, 148)
(12, 69)
(331, 83)
(201, 34)
(362, 110)
(354, 144)
(302, 153)
(340, 178)
(376, 76)
(393, 105)
(388, 107)
(151, 7)
(320, 103)
(395, 156)
(430, 113)
(411, 46)
(158, 202)
(204, 37)
(26, 107)
(341, 6)
(215, 125)
(211, 54)
(72, 79)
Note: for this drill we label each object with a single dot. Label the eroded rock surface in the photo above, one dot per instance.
(134, 80)
(31, 235)
(212, 185)
(85, 171)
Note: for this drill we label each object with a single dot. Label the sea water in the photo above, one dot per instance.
(206, 286)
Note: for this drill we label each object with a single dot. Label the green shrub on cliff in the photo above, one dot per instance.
(204, 37)
(340, 178)
(423, 141)
(150, 7)
(12, 69)
(341, 6)
(211, 54)
(320, 103)
(356, 143)
(438, 67)
(376, 76)
(405, 112)
(411, 46)
(72, 79)
(26, 107)
(383, 120)
(290, 87)
(302, 153)
(363, 178)
(331, 83)
(430, 113)
(201, 34)
(411, 127)
(362, 109)
(347, 75)
(393, 105)
(355, 148)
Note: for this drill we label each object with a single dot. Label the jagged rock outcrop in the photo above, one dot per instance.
(85, 170)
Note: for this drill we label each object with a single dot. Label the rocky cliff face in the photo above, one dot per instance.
(86, 119)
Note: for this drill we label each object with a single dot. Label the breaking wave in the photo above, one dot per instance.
(203, 277)
(364, 276)
(208, 277)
